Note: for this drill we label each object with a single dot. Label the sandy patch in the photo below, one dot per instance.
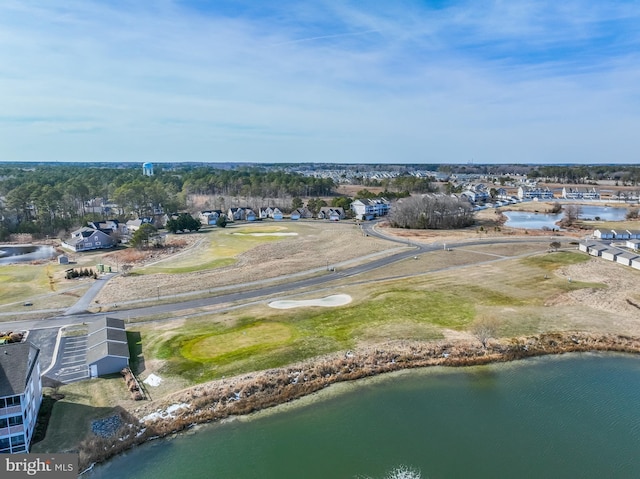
(328, 301)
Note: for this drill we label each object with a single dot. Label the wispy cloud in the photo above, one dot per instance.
(319, 81)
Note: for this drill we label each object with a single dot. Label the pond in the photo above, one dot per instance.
(565, 416)
(531, 220)
(10, 254)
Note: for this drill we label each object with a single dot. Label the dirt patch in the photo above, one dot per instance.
(615, 300)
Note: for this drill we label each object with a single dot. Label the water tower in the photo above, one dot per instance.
(147, 169)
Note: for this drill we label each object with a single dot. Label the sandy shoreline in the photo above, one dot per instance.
(252, 392)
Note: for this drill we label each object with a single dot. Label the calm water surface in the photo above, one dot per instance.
(10, 254)
(566, 416)
(531, 220)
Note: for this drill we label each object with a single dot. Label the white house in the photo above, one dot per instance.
(20, 396)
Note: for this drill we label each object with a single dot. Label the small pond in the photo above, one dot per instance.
(529, 220)
(10, 254)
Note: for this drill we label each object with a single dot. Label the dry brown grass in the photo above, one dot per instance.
(317, 243)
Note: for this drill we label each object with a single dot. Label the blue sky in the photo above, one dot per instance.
(514, 81)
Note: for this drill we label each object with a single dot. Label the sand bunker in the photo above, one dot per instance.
(328, 301)
(266, 234)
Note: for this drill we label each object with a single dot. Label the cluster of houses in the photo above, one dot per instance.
(108, 233)
(478, 193)
(620, 246)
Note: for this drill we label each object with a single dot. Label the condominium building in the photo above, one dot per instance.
(20, 395)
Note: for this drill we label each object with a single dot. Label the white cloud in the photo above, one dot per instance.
(321, 81)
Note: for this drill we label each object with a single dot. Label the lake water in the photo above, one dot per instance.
(555, 417)
(10, 254)
(528, 220)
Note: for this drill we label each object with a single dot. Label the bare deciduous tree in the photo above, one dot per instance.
(431, 211)
(484, 329)
(571, 214)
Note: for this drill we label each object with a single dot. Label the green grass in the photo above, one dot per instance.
(415, 308)
(83, 403)
(553, 261)
(203, 351)
(220, 248)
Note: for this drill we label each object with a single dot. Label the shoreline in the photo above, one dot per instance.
(241, 395)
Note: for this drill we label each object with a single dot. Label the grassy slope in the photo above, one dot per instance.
(219, 247)
(415, 308)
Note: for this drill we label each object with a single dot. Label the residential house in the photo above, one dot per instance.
(20, 396)
(603, 234)
(86, 239)
(235, 214)
(370, 208)
(301, 213)
(331, 213)
(621, 234)
(580, 194)
(273, 213)
(132, 226)
(476, 193)
(209, 217)
(534, 193)
(107, 348)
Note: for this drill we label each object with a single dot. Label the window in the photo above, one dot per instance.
(3, 403)
(17, 440)
(3, 423)
(13, 401)
(4, 444)
(15, 420)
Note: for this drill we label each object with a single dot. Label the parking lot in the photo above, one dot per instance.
(71, 364)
